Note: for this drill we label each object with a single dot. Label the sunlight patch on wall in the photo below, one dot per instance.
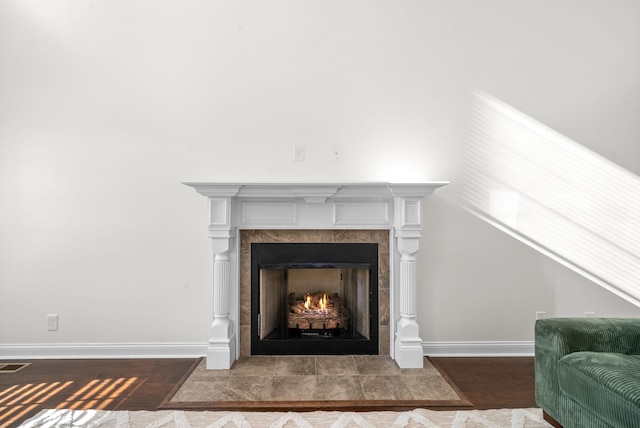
(397, 165)
(555, 195)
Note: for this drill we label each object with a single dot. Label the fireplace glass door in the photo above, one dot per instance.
(314, 298)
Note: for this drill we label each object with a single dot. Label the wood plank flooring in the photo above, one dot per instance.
(493, 383)
(143, 384)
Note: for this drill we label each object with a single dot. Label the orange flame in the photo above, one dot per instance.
(323, 302)
(307, 301)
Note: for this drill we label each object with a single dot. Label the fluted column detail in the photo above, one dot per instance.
(221, 286)
(222, 342)
(408, 230)
(407, 285)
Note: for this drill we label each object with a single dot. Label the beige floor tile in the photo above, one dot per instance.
(203, 390)
(331, 377)
(384, 388)
(335, 365)
(376, 365)
(295, 365)
(254, 366)
(201, 372)
(247, 388)
(429, 388)
(339, 388)
(292, 388)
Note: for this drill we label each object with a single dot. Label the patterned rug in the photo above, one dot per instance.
(514, 418)
(303, 383)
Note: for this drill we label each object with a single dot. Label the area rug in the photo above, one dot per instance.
(302, 383)
(513, 418)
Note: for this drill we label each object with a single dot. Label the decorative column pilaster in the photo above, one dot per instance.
(221, 352)
(222, 341)
(408, 230)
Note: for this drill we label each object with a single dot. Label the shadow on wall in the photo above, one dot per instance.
(554, 194)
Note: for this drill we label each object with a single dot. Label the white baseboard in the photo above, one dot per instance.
(102, 350)
(196, 350)
(479, 349)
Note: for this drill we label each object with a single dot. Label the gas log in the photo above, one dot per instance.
(317, 311)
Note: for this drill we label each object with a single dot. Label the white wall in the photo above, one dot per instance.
(106, 106)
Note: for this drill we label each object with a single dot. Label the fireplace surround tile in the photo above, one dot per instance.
(245, 339)
(385, 346)
(249, 236)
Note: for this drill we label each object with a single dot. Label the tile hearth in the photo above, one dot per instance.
(310, 378)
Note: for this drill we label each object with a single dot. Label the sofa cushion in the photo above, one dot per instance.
(607, 384)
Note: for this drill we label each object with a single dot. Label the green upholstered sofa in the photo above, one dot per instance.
(588, 371)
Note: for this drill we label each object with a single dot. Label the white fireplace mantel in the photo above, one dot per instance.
(371, 205)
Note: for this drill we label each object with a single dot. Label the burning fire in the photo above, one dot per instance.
(315, 303)
(307, 301)
(316, 311)
(323, 302)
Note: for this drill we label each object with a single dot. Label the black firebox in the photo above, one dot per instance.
(314, 298)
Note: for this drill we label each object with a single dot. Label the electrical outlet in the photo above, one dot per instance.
(52, 322)
(589, 314)
(540, 315)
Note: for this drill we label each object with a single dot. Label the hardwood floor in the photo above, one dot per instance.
(493, 383)
(143, 384)
(136, 384)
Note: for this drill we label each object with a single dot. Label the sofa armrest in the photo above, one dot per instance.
(557, 337)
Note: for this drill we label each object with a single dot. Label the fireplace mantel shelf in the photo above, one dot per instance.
(235, 206)
(315, 192)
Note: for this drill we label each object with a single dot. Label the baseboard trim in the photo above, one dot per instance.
(479, 349)
(196, 350)
(102, 350)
